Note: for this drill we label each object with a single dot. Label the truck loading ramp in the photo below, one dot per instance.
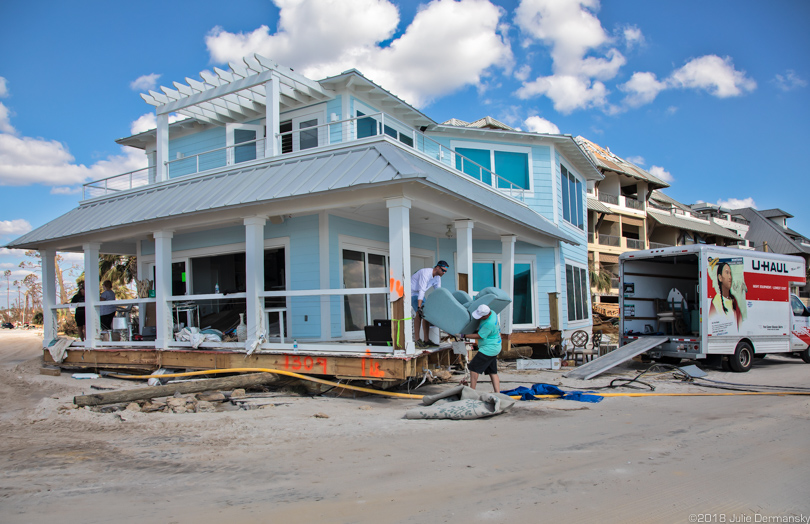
(614, 358)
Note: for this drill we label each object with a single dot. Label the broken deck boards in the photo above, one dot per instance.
(352, 367)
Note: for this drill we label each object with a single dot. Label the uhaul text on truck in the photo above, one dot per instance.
(710, 301)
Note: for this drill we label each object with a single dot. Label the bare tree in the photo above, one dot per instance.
(7, 274)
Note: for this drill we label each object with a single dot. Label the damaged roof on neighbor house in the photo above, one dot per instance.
(365, 165)
(603, 158)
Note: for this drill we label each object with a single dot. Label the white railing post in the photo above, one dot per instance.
(162, 147)
(399, 242)
(272, 118)
(508, 279)
(464, 253)
(254, 279)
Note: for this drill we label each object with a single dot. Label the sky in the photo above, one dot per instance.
(710, 96)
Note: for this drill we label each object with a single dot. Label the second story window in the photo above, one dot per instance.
(511, 166)
(572, 198)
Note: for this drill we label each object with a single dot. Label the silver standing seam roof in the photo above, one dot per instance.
(361, 165)
(708, 228)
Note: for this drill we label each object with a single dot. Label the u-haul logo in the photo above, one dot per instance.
(772, 267)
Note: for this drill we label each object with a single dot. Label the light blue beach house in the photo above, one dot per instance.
(307, 205)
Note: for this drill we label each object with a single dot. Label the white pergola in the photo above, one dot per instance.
(259, 88)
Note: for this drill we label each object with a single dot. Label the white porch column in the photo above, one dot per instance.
(48, 257)
(162, 148)
(508, 279)
(399, 241)
(271, 143)
(254, 269)
(91, 294)
(464, 254)
(163, 288)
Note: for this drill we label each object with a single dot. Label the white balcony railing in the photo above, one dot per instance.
(337, 132)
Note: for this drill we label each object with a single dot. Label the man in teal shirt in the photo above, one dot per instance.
(489, 345)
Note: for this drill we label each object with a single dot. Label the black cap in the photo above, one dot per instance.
(443, 264)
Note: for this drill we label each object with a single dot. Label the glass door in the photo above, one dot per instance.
(488, 274)
(361, 270)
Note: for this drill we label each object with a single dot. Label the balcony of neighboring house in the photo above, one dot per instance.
(249, 151)
(621, 201)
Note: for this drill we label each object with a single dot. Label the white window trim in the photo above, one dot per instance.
(367, 246)
(229, 141)
(492, 147)
(584, 183)
(318, 111)
(519, 259)
(587, 306)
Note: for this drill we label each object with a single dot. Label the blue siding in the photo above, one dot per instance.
(335, 107)
(194, 144)
(542, 201)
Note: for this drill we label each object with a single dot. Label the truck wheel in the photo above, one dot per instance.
(805, 355)
(742, 359)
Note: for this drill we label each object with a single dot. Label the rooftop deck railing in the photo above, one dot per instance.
(304, 139)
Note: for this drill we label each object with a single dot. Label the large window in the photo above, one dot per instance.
(571, 198)
(299, 130)
(251, 136)
(370, 126)
(512, 166)
(576, 283)
(362, 269)
(488, 274)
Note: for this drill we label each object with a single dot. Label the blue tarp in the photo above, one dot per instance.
(547, 389)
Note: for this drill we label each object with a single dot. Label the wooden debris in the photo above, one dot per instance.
(50, 370)
(129, 395)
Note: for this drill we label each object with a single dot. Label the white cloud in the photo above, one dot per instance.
(17, 227)
(572, 30)
(567, 92)
(536, 124)
(523, 72)
(5, 120)
(148, 121)
(449, 44)
(4, 251)
(633, 36)
(637, 160)
(3, 87)
(65, 190)
(737, 203)
(661, 173)
(145, 82)
(641, 89)
(26, 161)
(789, 81)
(713, 74)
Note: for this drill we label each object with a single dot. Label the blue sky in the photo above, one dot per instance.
(712, 96)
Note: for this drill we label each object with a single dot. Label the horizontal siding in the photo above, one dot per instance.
(195, 144)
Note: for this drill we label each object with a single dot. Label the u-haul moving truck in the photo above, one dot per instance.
(711, 300)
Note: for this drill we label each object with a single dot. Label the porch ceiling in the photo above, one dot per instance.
(354, 180)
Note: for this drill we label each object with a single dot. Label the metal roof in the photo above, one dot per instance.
(364, 165)
(775, 212)
(699, 226)
(599, 207)
(761, 229)
(603, 158)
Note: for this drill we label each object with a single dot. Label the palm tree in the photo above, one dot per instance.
(600, 279)
(121, 270)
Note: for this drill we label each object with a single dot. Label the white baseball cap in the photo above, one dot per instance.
(481, 312)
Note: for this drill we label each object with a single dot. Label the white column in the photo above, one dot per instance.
(254, 269)
(271, 143)
(48, 257)
(323, 254)
(399, 241)
(464, 251)
(162, 148)
(91, 294)
(507, 279)
(163, 288)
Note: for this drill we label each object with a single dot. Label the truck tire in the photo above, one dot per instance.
(742, 359)
(805, 355)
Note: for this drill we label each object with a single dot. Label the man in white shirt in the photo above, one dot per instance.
(421, 281)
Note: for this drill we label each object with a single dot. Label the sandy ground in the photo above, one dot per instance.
(655, 459)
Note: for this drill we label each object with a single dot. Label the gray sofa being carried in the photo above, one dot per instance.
(452, 311)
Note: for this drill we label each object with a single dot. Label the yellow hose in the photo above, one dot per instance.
(407, 395)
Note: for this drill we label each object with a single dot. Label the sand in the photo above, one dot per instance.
(656, 459)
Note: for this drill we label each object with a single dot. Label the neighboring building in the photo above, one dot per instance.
(768, 231)
(730, 219)
(627, 211)
(280, 197)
